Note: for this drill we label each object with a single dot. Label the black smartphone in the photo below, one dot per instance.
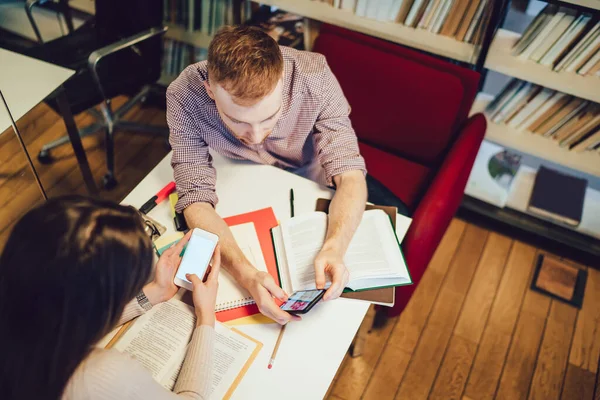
(301, 302)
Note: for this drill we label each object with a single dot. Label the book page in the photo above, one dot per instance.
(231, 294)
(158, 339)
(233, 355)
(303, 238)
(373, 253)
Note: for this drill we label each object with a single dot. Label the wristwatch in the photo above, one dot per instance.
(143, 301)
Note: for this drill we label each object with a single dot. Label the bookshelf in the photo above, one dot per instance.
(195, 38)
(397, 33)
(499, 59)
(593, 4)
(536, 145)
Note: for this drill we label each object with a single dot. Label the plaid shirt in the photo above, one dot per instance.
(314, 123)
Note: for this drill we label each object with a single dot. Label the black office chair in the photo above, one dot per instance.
(116, 52)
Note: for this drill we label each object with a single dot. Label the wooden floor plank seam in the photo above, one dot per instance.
(512, 336)
(462, 305)
(396, 322)
(462, 236)
(510, 249)
(562, 389)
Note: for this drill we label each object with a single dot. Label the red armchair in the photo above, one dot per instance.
(410, 112)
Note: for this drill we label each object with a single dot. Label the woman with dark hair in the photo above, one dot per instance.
(72, 270)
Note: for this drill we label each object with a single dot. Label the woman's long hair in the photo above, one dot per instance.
(67, 271)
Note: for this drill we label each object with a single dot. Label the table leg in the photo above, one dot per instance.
(358, 344)
(73, 132)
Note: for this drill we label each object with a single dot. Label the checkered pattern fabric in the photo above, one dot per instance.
(314, 124)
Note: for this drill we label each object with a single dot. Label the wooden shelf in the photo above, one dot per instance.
(536, 145)
(398, 33)
(196, 38)
(595, 4)
(500, 60)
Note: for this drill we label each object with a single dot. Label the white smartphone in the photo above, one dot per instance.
(197, 256)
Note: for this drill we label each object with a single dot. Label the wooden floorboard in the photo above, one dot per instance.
(452, 376)
(426, 360)
(404, 338)
(491, 355)
(135, 155)
(472, 330)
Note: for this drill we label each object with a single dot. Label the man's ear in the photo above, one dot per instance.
(209, 90)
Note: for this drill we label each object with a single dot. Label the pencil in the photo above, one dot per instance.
(272, 360)
(292, 202)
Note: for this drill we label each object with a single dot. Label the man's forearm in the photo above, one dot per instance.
(204, 216)
(346, 210)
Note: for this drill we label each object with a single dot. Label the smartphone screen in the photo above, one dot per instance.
(300, 301)
(196, 258)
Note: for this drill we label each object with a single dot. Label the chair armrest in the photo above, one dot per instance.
(97, 55)
(438, 206)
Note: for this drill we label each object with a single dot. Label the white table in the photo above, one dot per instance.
(311, 350)
(25, 82)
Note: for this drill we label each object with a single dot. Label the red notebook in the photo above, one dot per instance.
(263, 221)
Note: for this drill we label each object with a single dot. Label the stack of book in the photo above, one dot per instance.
(562, 39)
(205, 16)
(178, 55)
(573, 123)
(463, 20)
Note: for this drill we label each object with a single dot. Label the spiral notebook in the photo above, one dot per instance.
(230, 294)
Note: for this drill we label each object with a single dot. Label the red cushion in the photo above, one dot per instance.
(399, 102)
(404, 178)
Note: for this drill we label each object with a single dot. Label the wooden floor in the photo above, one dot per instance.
(136, 154)
(473, 330)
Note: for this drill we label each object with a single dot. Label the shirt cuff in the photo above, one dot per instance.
(337, 167)
(201, 196)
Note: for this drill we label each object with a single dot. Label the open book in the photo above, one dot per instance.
(374, 258)
(159, 340)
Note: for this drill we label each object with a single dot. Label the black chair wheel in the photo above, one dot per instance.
(109, 182)
(45, 157)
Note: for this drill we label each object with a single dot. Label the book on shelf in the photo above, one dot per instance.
(568, 120)
(464, 20)
(592, 65)
(204, 16)
(349, 5)
(559, 109)
(557, 196)
(559, 25)
(547, 102)
(459, 7)
(493, 174)
(579, 108)
(404, 11)
(563, 39)
(583, 130)
(590, 143)
(587, 36)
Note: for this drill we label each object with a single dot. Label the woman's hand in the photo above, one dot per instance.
(205, 293)
(162, 287)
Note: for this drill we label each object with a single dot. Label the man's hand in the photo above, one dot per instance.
(330, 262)
(263, 288)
